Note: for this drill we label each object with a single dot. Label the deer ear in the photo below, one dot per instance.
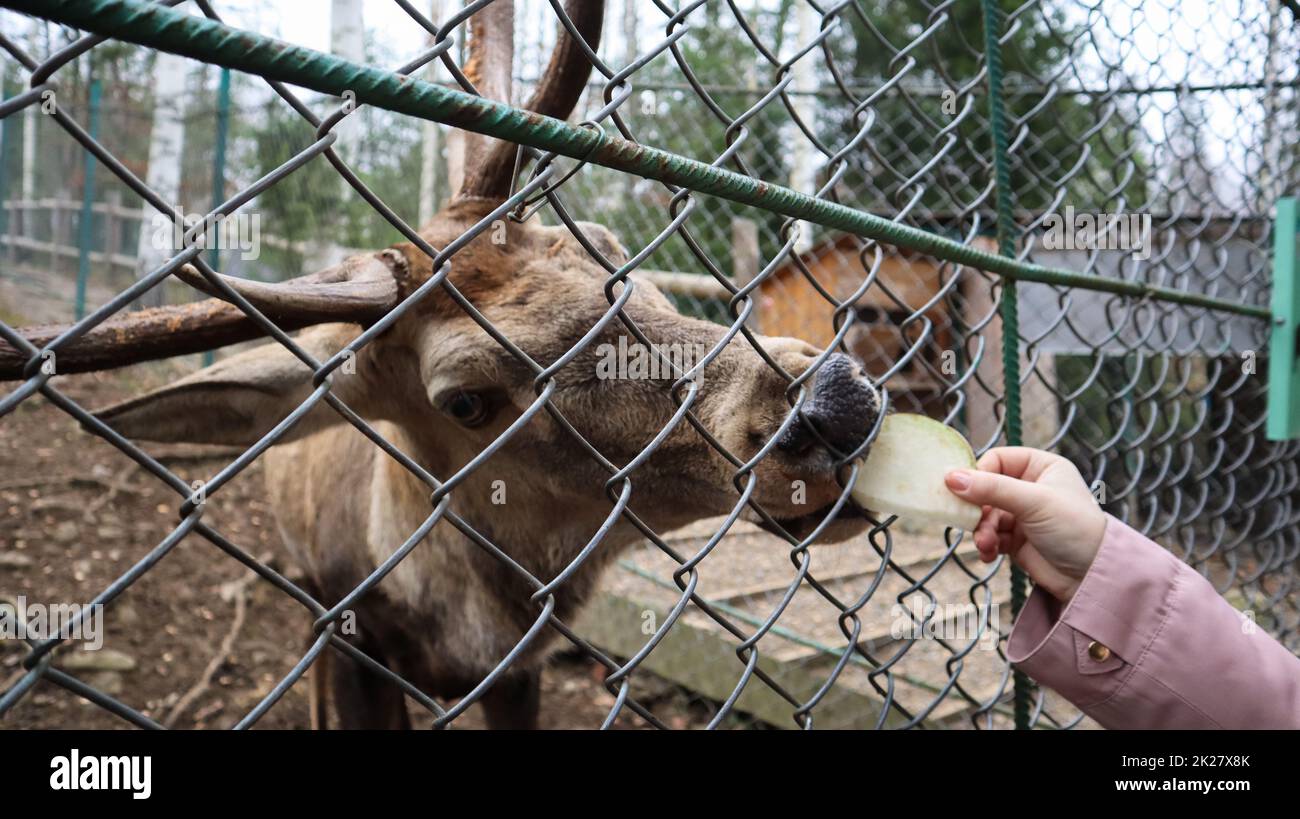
(236, 400)
(605, 241)
(562, 241)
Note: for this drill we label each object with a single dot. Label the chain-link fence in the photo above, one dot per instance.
(851, 174)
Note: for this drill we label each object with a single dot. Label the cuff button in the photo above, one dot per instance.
(1098, 652)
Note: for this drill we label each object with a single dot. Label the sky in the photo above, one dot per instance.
(1156, 42)
(1165, 33)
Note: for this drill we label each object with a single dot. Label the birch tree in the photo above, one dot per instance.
(166, 138)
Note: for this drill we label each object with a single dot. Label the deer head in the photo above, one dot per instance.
(452, 388)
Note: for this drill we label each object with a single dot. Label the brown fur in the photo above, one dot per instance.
(449, 612)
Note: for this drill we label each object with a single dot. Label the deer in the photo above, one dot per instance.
(441, 389)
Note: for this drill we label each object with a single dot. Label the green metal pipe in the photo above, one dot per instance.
(1008, 309)
(166, 29)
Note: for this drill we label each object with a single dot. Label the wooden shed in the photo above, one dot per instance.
(790, 303)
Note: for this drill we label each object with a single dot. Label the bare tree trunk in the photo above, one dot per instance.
(112, 247)
(803, 173)
(431, 144)
(490, 68)
(1269, 189)
(744, 249)
(629, 56)
(348, 40)
(155, 245)
(26, 216)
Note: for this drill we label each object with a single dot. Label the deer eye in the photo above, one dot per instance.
(468, 408)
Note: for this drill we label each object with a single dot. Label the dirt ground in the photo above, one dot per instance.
(196, 642)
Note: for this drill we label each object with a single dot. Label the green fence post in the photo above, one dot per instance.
(1284, 340)
(219, 160)
(219, 173)
(85, 225)
(7, 135)
(994, 23)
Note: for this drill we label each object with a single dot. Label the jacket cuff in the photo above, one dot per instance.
(1088, 651)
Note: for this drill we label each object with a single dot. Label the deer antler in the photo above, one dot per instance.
(362, 288)
(489, 173)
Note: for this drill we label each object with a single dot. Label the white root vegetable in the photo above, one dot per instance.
(903, 473)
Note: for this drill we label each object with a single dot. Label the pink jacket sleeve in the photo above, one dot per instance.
(1146, 642)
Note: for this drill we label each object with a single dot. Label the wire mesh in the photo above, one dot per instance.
(1171, 110)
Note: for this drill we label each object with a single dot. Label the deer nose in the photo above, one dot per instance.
(843, 408)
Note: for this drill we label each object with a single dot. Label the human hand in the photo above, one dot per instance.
(1038, 510)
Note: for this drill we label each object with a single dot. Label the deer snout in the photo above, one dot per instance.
(843, 409)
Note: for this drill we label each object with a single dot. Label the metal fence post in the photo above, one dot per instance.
(85, 224)
(994, 22)
(6, 137)
(1284, 339)
(219, 174)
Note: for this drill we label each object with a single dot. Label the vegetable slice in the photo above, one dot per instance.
(903, 473)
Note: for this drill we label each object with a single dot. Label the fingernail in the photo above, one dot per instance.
(958, 480)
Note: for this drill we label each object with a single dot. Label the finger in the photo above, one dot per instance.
(1022, 499)
(985, 535)
(1021, 462)
(1008, 545)
(1006, 521)
(1017, 536)
(987, 543)
(1034, 564)
(990, 520)
(1005, 529)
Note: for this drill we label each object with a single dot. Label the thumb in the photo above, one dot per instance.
(1021, 498)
